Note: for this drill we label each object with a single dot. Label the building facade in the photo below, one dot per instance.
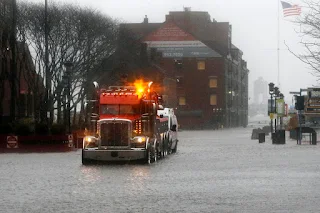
(211, 76)
(25, 74)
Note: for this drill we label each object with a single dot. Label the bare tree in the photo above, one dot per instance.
(309, 31)
(82, 36)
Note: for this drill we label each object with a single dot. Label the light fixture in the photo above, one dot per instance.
(271, 87)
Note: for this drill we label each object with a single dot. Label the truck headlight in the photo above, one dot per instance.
(139, 139)
(89, 141)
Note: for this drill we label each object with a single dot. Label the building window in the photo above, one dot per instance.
(201, 65)
(165, 98)
(213, 82)
(180, 81)
(182, 101)
(213, 100)
(178, 64)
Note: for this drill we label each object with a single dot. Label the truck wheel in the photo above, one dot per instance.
(164, 148)
(84, 161)
(148, 157)
(175, 148)
(169, 150)
(155, 155)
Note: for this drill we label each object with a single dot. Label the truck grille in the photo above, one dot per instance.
(115, 133)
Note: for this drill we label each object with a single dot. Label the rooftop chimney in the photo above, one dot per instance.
(169, 18)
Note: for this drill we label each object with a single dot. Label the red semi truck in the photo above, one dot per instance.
(131, 124)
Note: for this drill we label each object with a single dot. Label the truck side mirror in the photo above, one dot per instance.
(174, 128)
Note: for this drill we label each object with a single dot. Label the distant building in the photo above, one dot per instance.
(260, 90)
(210, 75)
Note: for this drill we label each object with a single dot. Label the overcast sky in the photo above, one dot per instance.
(254, 31)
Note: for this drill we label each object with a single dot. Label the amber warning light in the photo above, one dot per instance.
(138, 88)
(141, 87)
(117, 93)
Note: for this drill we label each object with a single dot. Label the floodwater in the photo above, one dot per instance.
(213, 171)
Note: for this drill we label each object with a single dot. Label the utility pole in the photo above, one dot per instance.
(13, 76)
(49, 112)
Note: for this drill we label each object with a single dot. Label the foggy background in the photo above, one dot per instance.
(254, 31)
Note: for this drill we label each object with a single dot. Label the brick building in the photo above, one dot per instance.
(25, 70)
(211, 76)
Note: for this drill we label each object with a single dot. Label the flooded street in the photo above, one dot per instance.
(213, 171)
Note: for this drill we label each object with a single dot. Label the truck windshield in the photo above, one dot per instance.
(119, 109)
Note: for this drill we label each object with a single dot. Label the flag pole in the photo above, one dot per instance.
(278, 63)
(278, 49)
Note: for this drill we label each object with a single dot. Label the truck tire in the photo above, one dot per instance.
(164, 148)
(84, 161)
(174, 150)
(155, 156)
(155, 151)
(169, 150)
(148, 160)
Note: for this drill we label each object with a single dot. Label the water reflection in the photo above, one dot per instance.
(90, 175)
(137, 178)
(140, 173)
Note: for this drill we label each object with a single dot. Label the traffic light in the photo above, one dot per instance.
(300, 103)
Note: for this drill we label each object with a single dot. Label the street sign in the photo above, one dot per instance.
(12, 142)
(273, 115)
(280, 107)
(70, 140)
(312, 104)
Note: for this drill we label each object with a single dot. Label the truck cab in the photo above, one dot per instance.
(129, 127)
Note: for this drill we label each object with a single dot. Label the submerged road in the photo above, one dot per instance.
(213, 171)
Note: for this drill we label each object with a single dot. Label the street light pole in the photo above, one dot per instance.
(276, 94)
(281, 118)
(271, 112)
(271, 91)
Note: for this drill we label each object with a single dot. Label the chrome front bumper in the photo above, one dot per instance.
(113, 155)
